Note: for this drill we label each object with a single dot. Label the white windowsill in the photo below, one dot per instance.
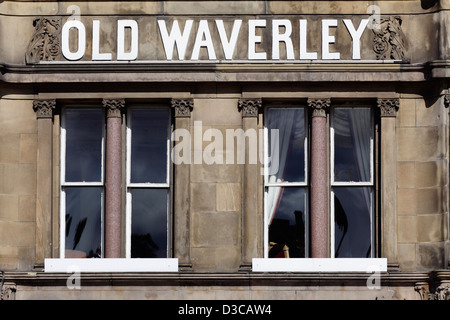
(112, 265)
(320, 265)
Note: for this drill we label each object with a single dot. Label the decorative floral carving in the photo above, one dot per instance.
(388, 107)
(45, 43)
(249, 107)
(183, 107)
(44, 108)
(114, 107)
(389, 41)
(319, 106)
(447, 100)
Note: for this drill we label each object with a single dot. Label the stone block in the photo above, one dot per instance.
(228, 196)
(216, 259)
(406, 174)
(203, 197)
(28, 148)
(9, 151)
(407, 256)
(428, 174)
(9, 207)
(407, 229)
(430, 256)
(27, 207)
(407, 113)
(20, 234)
(419, 144)
(430, 227)
(214, 112)
(215, 229)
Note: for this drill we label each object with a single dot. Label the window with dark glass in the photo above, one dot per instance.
(82, 182)
(351, 142)
(148, 185)
(147, 214)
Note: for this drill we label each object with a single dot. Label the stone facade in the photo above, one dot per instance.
(217, 209)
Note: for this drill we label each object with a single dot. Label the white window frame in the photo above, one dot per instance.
(334, 183)
(64, 184)
(130, 185)
(363, 265)
(267, 184)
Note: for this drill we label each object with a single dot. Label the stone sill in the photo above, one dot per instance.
(320, 265)
(111, 265)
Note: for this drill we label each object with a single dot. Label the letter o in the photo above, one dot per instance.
(77, 24)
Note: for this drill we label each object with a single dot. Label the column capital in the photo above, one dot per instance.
(249, 107)
(319, 106)
(114, 107)
(388, 107)
(44, 108)
(182, 107)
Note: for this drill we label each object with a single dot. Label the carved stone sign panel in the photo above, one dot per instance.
(216, 38)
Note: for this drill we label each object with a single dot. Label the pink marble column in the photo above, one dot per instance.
(113, 178)
(319, 179)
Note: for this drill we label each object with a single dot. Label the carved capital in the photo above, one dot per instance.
(44, 108)
(249, 107)
(443, 292)
(182, 107)
(45, 43)
(388, 107)
(114, 107)
(319, 106)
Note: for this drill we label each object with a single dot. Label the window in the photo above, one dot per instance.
(82, 182)
(148, 174)
(351, 182)
(352, 186)
(147, 214)
(286, 181)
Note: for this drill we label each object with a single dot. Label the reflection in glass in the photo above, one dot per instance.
(353, 215)
(287, 226)
(149, 145)
(83, 221)
(84, 134)
(287, 145)
(149, 223)
(352, 142)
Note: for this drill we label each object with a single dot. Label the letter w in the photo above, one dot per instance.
(175, 38)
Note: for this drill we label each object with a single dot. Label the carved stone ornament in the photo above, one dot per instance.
(45, 42)
(250, 107)
(183, 107)
(442, 292)
(114, 107)
(319, 106)
(389, 41)
(388, 107)
(44, 108)
(447, 100)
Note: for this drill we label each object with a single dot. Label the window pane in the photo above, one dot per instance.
(83, 221)
(352, 215)
(286, 128)
(149, 145)
(149, 223)
(84, 134)
(352, 143)
(287, 225)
